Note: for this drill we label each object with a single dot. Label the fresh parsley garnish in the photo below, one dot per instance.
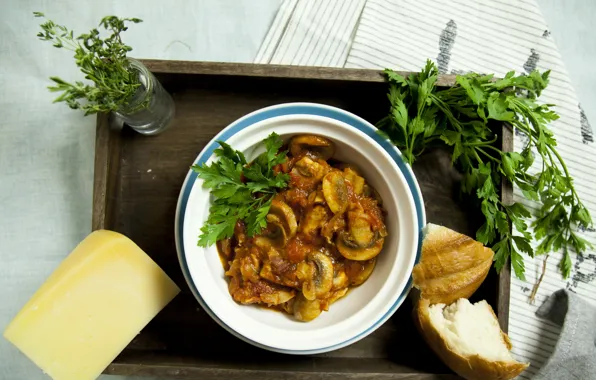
(463, 119)
(242, 191)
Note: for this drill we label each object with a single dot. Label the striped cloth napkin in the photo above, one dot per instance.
(487, 36)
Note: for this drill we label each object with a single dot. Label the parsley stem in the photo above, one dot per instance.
(482, 143)
(429, 140)
(537, 284)
(565, 170)
(477, 157)
(550, 158)
(445, 108)
(488, 155)
(412, 146)
(494, 148)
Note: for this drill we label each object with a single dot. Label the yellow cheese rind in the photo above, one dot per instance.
(91, 307)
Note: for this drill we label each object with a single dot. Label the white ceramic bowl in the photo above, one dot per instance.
(352, 317)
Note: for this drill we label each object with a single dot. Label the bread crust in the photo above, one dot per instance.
(452, 265)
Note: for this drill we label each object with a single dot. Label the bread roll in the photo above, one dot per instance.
(452, 265)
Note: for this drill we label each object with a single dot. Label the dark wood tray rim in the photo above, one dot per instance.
(275, 71)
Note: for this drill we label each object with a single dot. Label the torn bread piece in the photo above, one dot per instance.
(467, 337)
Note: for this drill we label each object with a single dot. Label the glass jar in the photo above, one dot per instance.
(151, 108)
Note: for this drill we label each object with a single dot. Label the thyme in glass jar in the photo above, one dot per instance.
(103, 61)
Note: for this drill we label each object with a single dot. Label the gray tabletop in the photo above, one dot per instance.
(46, 150)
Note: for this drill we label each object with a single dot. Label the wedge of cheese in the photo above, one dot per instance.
(91, 307)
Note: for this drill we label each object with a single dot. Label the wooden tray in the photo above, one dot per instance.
(137, 181)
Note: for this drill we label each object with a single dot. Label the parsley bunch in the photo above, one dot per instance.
(103, 61)
(242, 191)
(464, 119)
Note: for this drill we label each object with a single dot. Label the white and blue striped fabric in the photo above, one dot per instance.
(488, 36)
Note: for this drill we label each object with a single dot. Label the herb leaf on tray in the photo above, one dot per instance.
(242, 191)
(463, 119)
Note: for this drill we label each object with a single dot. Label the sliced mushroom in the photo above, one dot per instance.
(277, 297)
(357, 181)
(319, 198)
(338, 294)
(352, 251)
(333, 298)
(268, 274)
(285, 215)
(361, 231)
(335, 191)
(288, 307)
(352, 167)
(320, 278)
(370, 211)
(314, 220)
(371, 192)
(307, 168)
(337, 223)
(274, 235)
(340, 279)
(308, 286)
(316, 198)
(318, 146)
(226, 252)
(306, 310)
(359, 271)
(304, 271)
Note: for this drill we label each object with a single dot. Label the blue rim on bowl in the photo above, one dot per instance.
(297, 109)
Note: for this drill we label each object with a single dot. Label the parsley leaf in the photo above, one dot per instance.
(473, 88)
(565, 264)
(227, 151)
(517, 262)
(272, 145)
(242, 191)
(497, 107)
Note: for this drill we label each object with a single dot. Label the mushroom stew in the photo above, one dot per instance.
(323, 234)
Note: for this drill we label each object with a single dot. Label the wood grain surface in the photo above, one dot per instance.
(137, 182)
(275, 71)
